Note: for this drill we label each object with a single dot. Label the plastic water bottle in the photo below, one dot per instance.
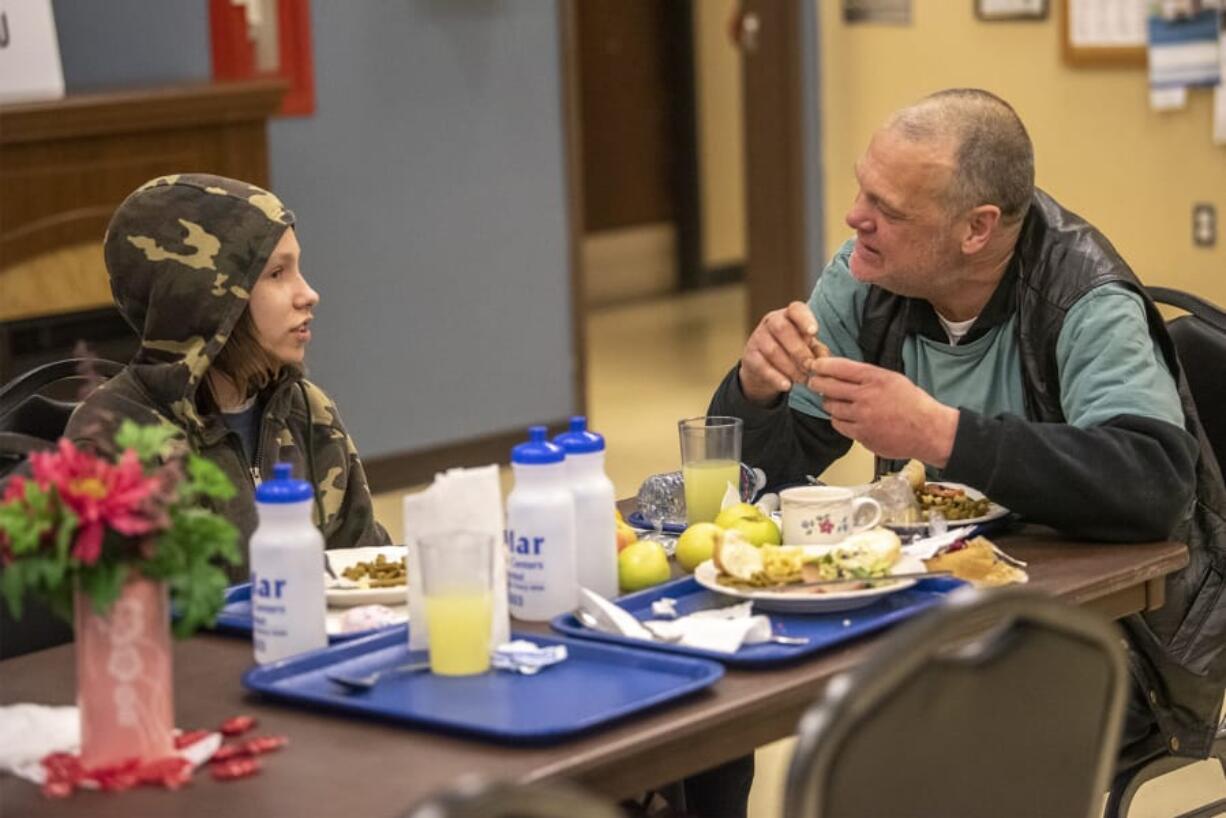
(595, 525)
(288, 603)
(541, 577)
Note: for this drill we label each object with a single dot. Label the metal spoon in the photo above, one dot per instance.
(362, 683)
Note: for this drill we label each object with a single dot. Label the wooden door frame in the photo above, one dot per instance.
(782, 174)
(572, 148)
(800, 230)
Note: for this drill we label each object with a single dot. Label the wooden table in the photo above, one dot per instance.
(341, 766)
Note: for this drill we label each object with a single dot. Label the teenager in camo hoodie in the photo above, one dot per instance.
(206, 270)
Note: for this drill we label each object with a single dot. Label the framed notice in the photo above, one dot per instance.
(29, 52)
(1011, 9)
(1104, 32)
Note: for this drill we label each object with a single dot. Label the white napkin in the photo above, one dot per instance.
(459, 499)
(720, 629)
(30, 732)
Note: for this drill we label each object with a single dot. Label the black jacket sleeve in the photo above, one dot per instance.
(784, 443)
(1128, 480)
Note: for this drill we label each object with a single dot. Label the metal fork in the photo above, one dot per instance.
(357, 684)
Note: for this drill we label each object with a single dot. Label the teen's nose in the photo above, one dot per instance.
(306, 297)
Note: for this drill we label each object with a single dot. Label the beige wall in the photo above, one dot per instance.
(1099, 149)
(721, 157)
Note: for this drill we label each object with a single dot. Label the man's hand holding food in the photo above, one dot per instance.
(780, 352)
(883, 411)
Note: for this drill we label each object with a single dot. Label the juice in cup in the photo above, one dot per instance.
(705, 484)
(458, 589)
(710, 460)
(459, 628)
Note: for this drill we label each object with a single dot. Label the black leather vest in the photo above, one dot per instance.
(1058, 259)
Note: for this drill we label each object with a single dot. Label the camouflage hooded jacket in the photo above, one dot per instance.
(183, 253)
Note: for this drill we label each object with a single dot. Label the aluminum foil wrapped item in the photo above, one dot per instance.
(661, 498)
(526, 658)
(897, 499)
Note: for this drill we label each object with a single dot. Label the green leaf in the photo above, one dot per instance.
(148, 441)
(206, 479)
(12, 585)
(102, 583)
(64, 535)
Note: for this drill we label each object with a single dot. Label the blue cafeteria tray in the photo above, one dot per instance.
(824, 630)
(637, 520)
(595, 685)
(235, 617)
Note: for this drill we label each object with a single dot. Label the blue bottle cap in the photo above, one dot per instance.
(283, 488)
(579, 440)
(538, 450)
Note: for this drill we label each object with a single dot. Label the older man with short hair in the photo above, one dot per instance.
(978, 326)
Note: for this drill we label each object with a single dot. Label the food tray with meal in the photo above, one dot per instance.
(822, 630)
(368, 593)
(595, 685)
(235, 618)
(816, 596)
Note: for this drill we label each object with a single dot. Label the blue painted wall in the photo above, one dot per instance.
(430, 195)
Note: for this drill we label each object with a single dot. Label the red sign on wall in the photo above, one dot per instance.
(236, 28)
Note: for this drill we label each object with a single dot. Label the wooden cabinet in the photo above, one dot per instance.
(65, 165)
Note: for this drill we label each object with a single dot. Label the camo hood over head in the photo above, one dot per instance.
(183, 253)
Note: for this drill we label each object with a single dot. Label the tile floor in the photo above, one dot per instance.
(653, 362)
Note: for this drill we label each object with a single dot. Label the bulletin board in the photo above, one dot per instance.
(1104, 33)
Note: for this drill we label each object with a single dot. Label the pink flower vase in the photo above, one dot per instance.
(124, 686)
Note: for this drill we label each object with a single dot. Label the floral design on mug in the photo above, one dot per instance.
(825, 525)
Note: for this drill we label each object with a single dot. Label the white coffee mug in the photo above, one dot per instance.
(815, 515)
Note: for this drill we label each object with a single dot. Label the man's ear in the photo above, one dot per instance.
(980, 226)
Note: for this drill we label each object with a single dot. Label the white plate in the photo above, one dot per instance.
(995, 512)
(342, 558)
(809, 602)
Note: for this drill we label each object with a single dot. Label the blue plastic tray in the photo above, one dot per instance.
(823, 630)
(235, 617)
(637, 520)
(596, 684)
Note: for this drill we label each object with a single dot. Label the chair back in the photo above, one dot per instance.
(474, 797)
(32, 421)
(1200, 341)
(1002, 704)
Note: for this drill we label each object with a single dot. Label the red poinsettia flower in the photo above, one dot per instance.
(102, 496)
(15, 490)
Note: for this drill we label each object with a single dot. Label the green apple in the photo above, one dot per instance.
(697, 544)
(754, 526)
(642, 564)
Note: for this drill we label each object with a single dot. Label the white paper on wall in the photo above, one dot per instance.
(30, 66)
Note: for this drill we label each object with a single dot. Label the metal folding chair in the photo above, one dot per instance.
(478, 798)
(998, 704)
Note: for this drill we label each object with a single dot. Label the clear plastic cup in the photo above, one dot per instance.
(457, 571)
(710, 460)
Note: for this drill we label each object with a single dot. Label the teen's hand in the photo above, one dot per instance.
(780, 352)
(884, 411)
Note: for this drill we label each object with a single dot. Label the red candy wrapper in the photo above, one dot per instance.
(257, 745)
(237, 725)
(64, 773)
(236, 768)
(187, 739)
(227, 752)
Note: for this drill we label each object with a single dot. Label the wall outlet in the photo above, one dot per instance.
(1204, 224)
